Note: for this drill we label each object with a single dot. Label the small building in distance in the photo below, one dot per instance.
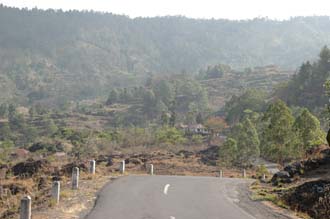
(196, 129)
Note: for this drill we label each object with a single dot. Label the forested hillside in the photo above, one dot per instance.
(58, 56)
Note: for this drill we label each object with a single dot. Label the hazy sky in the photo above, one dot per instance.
(232, 9)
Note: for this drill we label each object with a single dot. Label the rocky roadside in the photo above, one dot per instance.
(303, 186)
(74, 203)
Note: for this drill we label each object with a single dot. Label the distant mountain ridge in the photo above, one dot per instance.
(55, 55)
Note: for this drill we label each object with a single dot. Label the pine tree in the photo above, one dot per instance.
(248, 142)
(308, 130)
(113, 97)
(228, 152)
(278, 139)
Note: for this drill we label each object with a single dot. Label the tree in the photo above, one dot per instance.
(50, 127)
(5, 132)
(251, 99)
(217, 71)
(113, 97)
(228, 152)
(170, 135)
(165, 91)
(306, 87)
(172, 119)
(160, 107)
(149, 103)
(199, 118)
(278, 139)
(3, 110)
(248, 142)
(11, 111)
(165, 118)
(308, 130)
(126, 95)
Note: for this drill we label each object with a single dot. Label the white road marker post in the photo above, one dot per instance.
(122, 167)
(151, 169)
(92, 167)
(244, 173)
(263, 177)
(25, 212)
(220, 173)
(56, 191)
(75, 178)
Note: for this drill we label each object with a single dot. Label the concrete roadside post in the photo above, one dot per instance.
(220, 173)
(122, 167)
(244, 173)
(92, 167)
(151, 170)
(75, 178)
(56, 191)
(25, 212)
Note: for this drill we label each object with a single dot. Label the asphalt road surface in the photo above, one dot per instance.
(174, 197)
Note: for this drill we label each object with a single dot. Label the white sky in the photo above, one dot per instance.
(231, 9)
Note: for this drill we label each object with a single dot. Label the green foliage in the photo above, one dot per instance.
(278, 139)
(45, 147)
(252, 99)
(17, 121)
(197, 139)
(261, 170)
(165, 119)
(216, 71)
(7, 145)
(5, 132)
(76, 137)
(306, 87)
(105, 50)
(228, 152)
(308, 130)
(50, 127)
(170, 135)
(199, 119)
(113, 97)
(246, 136)
(3, 110)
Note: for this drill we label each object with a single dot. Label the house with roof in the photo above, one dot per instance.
(195, 129)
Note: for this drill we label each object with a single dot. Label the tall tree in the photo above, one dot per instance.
(113, 97)
(251, 99)
(248, 142)
(228, 152)
(308, 130)
(278, 139)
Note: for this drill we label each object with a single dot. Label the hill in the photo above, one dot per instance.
(55, 56)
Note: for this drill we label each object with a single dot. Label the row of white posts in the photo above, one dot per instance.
(25, 212)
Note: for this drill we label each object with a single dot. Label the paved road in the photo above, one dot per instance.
(171, 197)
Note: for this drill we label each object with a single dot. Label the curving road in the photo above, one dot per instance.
(175, 197)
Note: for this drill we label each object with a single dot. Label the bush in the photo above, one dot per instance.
(197, 139)
(170, 135)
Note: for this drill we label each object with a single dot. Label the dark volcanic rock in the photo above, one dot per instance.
(281, 177)
(210, 155)
(312, 198)
(185, 153)
(294, 169)
(29, 167)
